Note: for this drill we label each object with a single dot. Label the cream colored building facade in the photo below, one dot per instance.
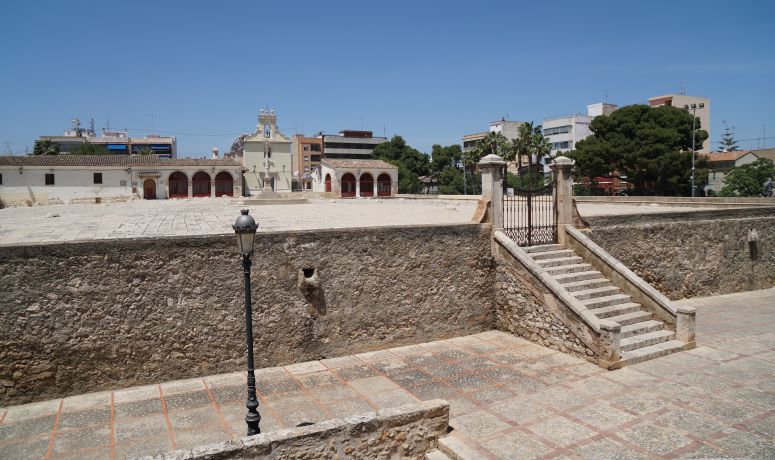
(682, 101)
(275, 163)
(70, 179)
(352, 178)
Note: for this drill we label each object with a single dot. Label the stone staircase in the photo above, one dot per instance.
(644, 336)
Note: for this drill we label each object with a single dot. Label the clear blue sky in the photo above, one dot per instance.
(429, 71)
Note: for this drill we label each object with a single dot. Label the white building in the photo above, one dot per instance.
(65, 179)
(694, 104)
(351, 178)
(565, 130)
(114, 142)
(274, 163)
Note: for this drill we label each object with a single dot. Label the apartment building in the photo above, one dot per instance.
(698, 105)
(350, 144)
(307, 153)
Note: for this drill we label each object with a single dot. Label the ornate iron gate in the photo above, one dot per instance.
(529, 214)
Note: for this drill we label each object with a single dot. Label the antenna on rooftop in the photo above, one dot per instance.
(605, 96)
(683, 90)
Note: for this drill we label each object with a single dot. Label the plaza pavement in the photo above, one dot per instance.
(211, 216)
(509, 398)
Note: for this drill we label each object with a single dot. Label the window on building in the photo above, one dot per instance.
(97, 178)
(306, 158)
(557, 130)
(306, 148)
(1, 179)
(49, 179)
(315, 157)
(315, 147)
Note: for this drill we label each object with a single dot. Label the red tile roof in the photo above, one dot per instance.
(726, 156)
(357, 164)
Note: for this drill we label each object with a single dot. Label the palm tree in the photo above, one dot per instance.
(45, 147)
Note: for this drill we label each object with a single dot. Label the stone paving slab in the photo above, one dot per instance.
(509, 398)
(212, 216)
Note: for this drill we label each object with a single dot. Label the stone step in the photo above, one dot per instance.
(436, 454)
(457, 448)
(647, 339)
(641, 328)
(560, 261)
(651, 352)
(572, 277)
(592, 283)
(543, 248)
(552, 254)
(617, 310)
(574, 268)
(629, 318)
(606, 301)
(596, 292)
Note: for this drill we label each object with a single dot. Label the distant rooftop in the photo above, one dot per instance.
(362, 164)
(109, 160)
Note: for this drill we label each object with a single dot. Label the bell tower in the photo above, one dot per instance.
(267, 126)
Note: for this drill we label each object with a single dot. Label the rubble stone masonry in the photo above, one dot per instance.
(695, 253)
(97, 315)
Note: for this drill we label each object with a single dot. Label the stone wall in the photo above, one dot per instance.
(526, 308)
(403, 432)
(694, 253)
(97, 315)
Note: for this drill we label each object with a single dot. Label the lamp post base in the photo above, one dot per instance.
(253, 418)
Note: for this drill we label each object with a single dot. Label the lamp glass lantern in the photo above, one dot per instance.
(245, 228)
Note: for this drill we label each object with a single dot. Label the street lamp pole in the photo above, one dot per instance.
(245, 228)
(694, 120)
(694, 130)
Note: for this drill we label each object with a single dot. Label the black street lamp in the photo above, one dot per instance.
(245, 227)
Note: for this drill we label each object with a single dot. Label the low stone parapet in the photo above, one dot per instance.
(403, 432)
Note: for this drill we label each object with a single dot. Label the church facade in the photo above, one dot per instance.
(267, 157)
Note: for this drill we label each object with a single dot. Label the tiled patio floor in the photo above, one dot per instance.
(509, 398)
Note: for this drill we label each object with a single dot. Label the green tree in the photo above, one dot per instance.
(144, 150)
(411, 163)
(88, 148)
(45, 147)
(728, 142)
(492, 143)
(531, 144)
(748, 179)
(446, 168)
(650, 146)
(451, 181)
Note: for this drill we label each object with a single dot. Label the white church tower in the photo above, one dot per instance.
(267, 157)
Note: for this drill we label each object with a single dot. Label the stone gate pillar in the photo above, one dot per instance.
(563, 190)
(492, 186)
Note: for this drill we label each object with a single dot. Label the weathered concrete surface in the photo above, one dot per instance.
(693, 254)
(89, 316)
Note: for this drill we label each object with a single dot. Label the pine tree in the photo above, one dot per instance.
(728, 142)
